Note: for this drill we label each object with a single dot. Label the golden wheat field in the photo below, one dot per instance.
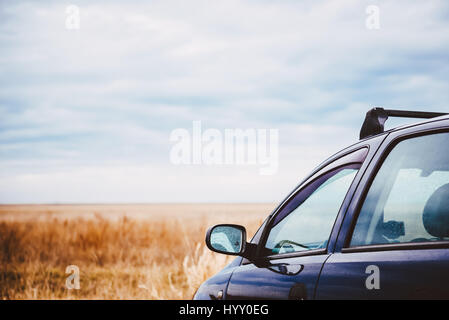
(151, 251)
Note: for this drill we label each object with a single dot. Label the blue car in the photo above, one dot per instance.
(370, 222)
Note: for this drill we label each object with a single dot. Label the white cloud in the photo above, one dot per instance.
(77, 106)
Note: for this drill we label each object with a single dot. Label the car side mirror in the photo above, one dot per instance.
(227, 238)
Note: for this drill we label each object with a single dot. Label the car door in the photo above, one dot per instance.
(296, 240)
(395, 242)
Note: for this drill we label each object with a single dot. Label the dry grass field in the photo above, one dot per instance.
(122, 251)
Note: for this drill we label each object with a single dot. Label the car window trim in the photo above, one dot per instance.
(264, 237)
(334, 171)
(316, 174)
(372, 175)
(313, 252)
(398, 246)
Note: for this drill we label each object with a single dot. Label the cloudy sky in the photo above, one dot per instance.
(86, 114)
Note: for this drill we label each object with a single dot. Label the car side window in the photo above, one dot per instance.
(408, 200)
(305, 223)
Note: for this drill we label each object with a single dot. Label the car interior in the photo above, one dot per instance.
(408, 200)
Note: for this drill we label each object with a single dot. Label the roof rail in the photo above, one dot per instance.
(376, 117)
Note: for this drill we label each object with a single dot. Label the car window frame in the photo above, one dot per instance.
(328, 166)
(387, 146)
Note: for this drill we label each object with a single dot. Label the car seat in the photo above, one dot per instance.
(436, 213)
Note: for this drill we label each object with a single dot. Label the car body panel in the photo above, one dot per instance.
(416, 271)
(403, 274)
(290, 278)
(406, 270)
(209, 290)
(295, 277)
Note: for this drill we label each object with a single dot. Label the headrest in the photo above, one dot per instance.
(436, 213)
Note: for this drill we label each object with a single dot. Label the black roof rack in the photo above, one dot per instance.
(376, 117)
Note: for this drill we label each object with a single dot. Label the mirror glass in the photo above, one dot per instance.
(227, 239)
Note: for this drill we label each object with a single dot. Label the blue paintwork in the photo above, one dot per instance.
(338, 273)
(275, 282)
(219, 282)
(404, 274)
